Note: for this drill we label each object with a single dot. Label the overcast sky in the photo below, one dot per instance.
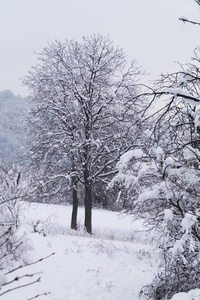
(148, 31)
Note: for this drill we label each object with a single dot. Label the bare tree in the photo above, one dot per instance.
(86, 109)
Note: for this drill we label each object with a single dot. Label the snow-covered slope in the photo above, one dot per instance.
(114, 263)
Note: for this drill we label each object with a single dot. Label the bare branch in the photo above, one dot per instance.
(20, 286)
(17, 278)
(184, 20)
(30, 264)
(44, 294)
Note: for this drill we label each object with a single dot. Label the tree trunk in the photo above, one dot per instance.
(75, 207)
(88, 208)
(88, 202)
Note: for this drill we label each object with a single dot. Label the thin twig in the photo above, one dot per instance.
(45, 294)
(189, 21)
(17, 278)
(30, 264)
(20, 286)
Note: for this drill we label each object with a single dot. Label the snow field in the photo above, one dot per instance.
(106, 265)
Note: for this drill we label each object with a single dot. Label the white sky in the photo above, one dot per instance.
(148, 30)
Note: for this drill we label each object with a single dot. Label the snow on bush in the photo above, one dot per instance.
(164, 192)
(191, 295)
(126, 158)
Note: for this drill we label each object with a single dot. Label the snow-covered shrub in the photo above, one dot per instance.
(167, 198)
(11, 189)
(164, 184)
(178, 273)
(129, 167)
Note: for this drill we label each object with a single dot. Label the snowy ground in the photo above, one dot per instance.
(112, 264)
